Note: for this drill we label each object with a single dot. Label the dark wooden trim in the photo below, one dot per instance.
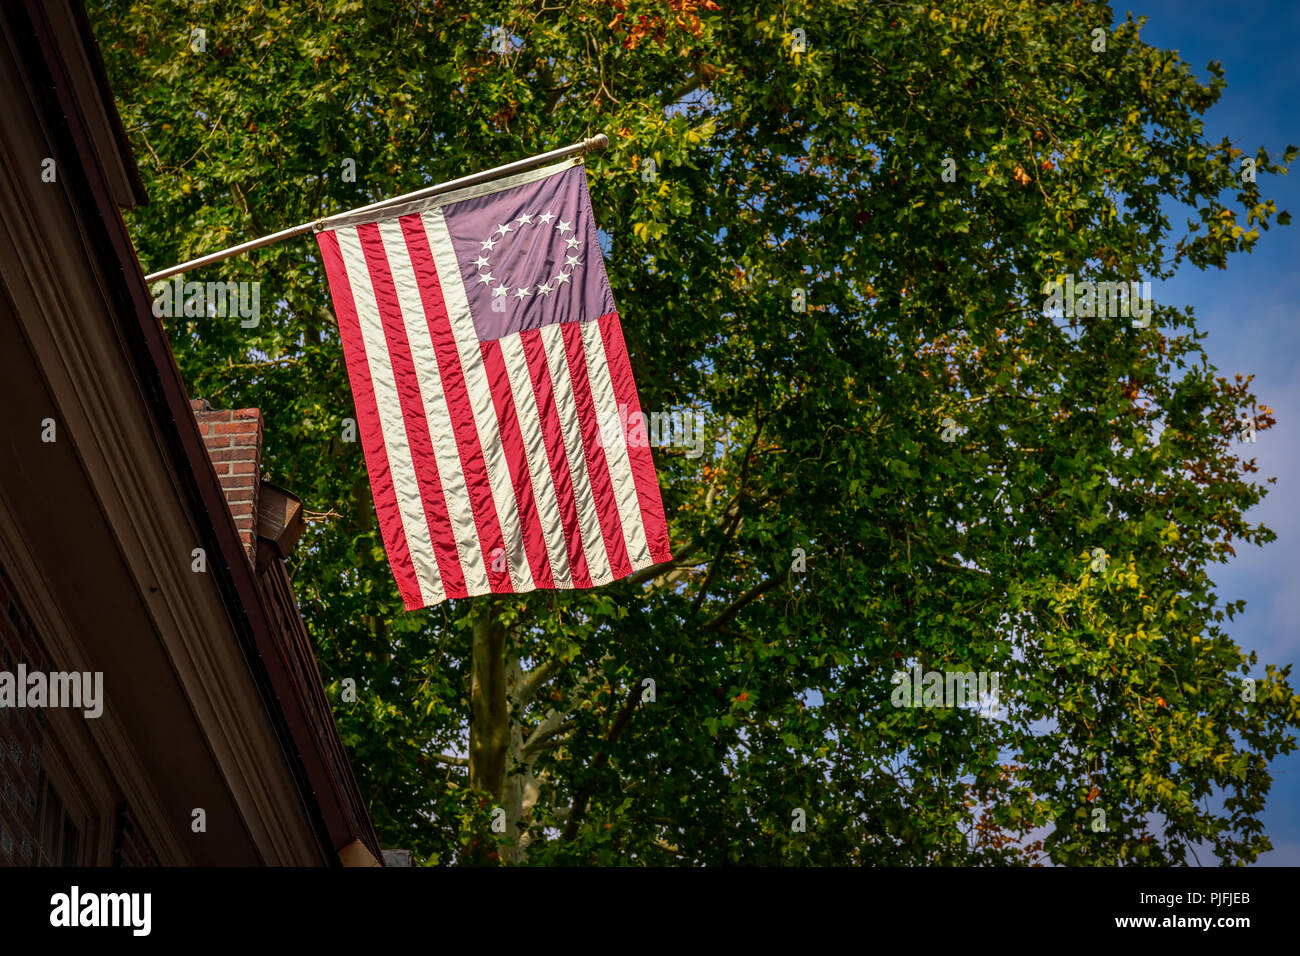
(160, 382)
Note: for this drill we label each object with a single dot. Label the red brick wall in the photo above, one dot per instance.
(21, 734)
(234, 441)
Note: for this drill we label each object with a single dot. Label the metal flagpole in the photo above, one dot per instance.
(599, 141)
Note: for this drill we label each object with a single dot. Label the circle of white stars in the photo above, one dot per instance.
(550, 286)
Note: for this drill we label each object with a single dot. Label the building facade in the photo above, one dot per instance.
(138, 541)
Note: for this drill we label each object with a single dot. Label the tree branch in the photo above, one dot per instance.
(533, 682)
(536, 744)
(749, 596)
(658, 570)
(733, 512)
(949, 566)
(693, 83)
(584, 795)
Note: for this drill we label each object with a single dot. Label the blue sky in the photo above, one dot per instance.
(1248, 311)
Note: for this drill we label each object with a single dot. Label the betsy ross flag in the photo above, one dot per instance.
(486, 361)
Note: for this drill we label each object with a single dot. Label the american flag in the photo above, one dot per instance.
(487, 362)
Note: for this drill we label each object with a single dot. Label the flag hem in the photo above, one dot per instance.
(345, 220)
(638, 565)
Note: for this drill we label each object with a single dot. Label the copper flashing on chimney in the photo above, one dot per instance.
(279, 517)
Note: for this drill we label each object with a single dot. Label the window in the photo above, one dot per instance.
(59, 838)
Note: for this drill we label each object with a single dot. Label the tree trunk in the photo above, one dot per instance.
(489, 725)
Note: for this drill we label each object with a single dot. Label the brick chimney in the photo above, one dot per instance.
(234, 441)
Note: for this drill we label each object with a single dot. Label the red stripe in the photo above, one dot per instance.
(643, 466)
(602, 489)
(512, 440)
(372, 435)
(553, 437)
(427, 478)
(472, 462)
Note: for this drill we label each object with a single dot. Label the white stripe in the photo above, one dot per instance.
(615, 444)
(436, 412)
(539, 469)
(421, 206)
(400, 466)
(593, 542)
(480, 397)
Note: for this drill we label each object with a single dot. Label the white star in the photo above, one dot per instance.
(501, 290)
(525, 218)
(563, 226)
(521, 293)
(545, 289)
(489, 243)
(546, 217)
(486, 277)
(503, 229)
(482, 262)
(572, 261)
(572, 242)
(562, 277)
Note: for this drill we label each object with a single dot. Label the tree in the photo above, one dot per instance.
(840, 257)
